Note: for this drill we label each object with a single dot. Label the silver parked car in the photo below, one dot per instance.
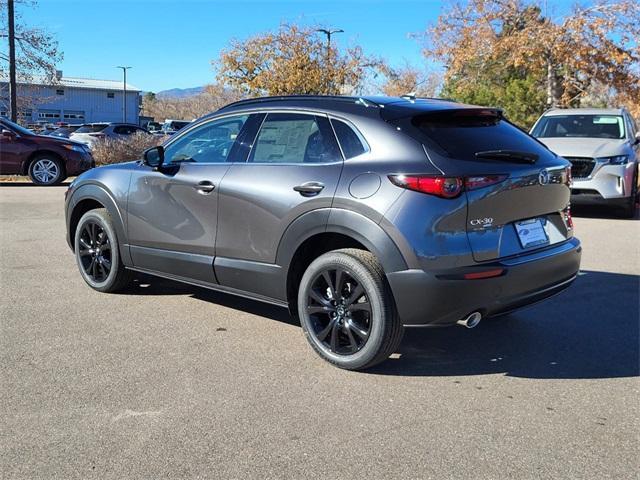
(90, 133)
(603, 146)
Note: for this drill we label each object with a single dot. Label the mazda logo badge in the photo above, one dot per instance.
(543, 177)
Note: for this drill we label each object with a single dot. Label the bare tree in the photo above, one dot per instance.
(37, 51)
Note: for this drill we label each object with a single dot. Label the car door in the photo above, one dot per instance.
(294, 167)
(172, 213)
(11, 151)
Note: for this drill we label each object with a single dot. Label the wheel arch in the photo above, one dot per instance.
(24, 169)
(89, 197)
(324, 230)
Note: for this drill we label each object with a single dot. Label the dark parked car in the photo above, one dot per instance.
(64, 132)
(47, 160)
(362, 215)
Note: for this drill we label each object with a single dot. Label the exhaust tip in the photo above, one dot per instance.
(471, 321)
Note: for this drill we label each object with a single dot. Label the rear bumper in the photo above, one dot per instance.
(425, 299)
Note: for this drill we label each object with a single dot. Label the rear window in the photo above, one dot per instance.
(463, 133)
(587, 126)
(92, 128)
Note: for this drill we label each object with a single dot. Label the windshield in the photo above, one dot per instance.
(587, 126)
(92, 128)
(16, 128)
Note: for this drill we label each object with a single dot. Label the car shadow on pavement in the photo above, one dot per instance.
(149, 285)
(29, 184)
(591, 330)
(599, 211)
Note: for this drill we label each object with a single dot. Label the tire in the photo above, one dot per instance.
(46, 170)
(358, 326)
(97, 252)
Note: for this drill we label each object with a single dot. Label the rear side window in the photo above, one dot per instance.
(122, 130)
(295, 138)
(463, 133)
(349, 140)
(92, 128)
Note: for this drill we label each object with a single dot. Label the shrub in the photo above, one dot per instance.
(112, 150)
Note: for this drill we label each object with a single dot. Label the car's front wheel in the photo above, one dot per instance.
(97, 252)
(347, 310)
(46, 170)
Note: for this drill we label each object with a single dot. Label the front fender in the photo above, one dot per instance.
(98, 193)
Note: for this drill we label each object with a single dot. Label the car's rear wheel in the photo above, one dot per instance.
(347, 310)
(46, 170)
(97, 252)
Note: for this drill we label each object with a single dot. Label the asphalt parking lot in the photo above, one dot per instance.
(171, 380)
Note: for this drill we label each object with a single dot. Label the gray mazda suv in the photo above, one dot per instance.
(363, 216)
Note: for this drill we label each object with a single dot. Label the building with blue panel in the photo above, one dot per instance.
(72, 100)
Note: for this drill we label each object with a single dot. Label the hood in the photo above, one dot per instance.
(585, 147)
(57, 140)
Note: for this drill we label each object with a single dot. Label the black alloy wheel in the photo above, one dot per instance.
(339, 310)
(95, 251)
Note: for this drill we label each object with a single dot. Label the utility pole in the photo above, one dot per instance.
(124, 92)
(328, 33)
(13, 97)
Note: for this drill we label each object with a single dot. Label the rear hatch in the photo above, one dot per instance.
(517, 190)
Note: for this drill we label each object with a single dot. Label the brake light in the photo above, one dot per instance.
(568, 219)
(471, 183)
(444, 187)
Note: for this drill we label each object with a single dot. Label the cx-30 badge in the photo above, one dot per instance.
(544, 177)
(482, 222)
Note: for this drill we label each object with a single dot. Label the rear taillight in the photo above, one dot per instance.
(444, 187)
(568, 220)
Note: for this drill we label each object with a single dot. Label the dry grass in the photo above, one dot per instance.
(111, 151)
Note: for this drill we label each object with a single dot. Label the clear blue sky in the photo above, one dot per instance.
(170, 43)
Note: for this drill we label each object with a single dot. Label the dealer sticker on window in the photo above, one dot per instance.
(531, 232)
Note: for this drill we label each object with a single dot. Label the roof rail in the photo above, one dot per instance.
(339, 98)
(411, 97)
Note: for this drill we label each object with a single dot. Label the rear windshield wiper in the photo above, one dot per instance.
(508, 156)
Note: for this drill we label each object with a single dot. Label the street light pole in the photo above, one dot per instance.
(124, 92)
(13, 97)
(328, 33)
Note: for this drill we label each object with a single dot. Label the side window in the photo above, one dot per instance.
(349, 140)
(295, 138)
(211, 142)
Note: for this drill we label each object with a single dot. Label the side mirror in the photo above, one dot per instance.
(8, 134)
(637, 137)
(154, 157)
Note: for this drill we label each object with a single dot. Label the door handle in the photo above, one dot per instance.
(204, 187)
(309, 189)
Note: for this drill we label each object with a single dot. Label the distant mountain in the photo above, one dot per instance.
(180, 92)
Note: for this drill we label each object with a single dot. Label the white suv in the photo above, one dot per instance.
(603, 146)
